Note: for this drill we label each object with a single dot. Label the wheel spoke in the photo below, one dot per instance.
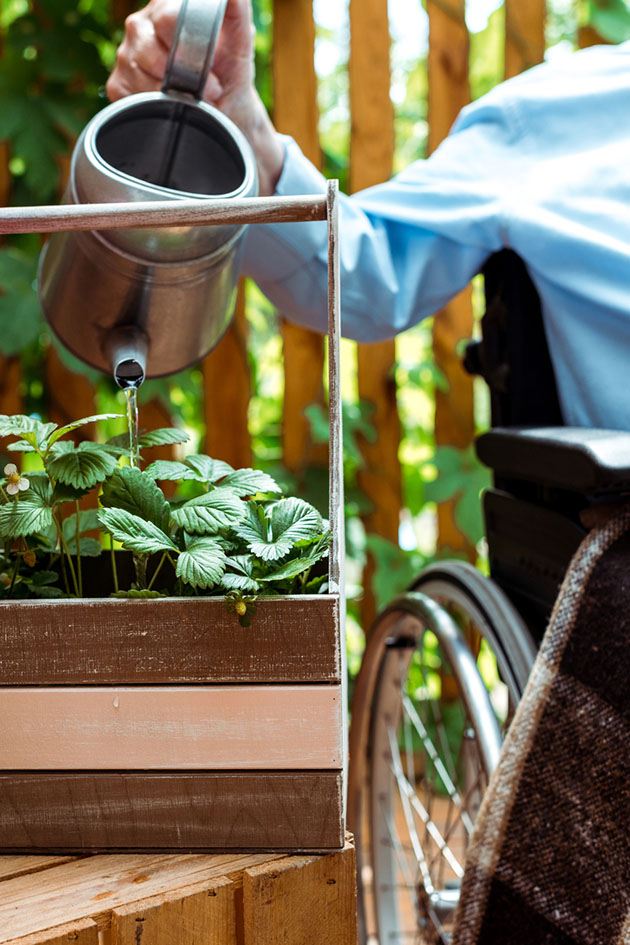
(410, 800)
(416, 721)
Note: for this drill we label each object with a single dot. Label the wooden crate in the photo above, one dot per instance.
(133, 899)
(163, 724)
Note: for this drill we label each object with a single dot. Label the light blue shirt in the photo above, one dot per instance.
(542, 165)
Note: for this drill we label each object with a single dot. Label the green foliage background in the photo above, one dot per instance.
(54, 63)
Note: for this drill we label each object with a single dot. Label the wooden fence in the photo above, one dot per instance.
(227, 383)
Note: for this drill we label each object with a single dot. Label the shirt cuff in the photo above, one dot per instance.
(274, 251)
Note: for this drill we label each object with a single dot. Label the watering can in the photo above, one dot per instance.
(150, 302)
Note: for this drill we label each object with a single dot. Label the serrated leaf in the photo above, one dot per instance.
(271, 533)
(247, 482)
(207, 469)
(239, 582)
(244, 579)
(82, 467)
(39, 486)
(202, 564)
(135, 491)
(169, 470)
(209, 513)
(32, 430)
(165, 436)
(134, 533)
(69, 427)
(294, 568)
(26, 517)
(21, 446)
(135, 594)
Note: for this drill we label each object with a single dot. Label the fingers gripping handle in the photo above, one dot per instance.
(196, 35)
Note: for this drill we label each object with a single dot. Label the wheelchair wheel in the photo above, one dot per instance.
(442, 674)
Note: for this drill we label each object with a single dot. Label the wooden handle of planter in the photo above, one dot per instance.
(55, 219)
(336, 490)
(158, 213)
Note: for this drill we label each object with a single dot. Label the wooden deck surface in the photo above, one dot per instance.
(186, 899)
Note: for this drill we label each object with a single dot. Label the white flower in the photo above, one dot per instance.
(15, 482)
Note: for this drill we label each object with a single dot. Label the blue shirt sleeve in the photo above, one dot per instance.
(407, 246)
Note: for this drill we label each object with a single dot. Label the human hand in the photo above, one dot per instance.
(141, 65)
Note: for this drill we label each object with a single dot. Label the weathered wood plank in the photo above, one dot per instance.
(227, 387)
(164, 727)
(296, 113)
(301, 901)
(110, 216)
(524, 35)
(449, 91)
(52, 811)
(168, 641)
(204, 914)
(11, 866)
(371, 162)
(94, 886)
(84, 932)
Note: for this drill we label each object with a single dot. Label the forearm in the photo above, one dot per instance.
(393, 272)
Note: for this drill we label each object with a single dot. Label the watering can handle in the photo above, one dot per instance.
(196, 34)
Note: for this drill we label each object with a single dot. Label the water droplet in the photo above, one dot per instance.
(116, 702)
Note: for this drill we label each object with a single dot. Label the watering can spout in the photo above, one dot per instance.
(127, 350)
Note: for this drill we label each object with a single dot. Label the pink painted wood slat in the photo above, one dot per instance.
(150, 728)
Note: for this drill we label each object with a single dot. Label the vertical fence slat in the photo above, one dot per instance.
(227, 391)
(449, 91)
(296, 113)
(371, 162)
(524, 35)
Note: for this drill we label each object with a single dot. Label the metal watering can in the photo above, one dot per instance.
(150, 302)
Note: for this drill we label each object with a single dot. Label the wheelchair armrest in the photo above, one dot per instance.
(582, 460)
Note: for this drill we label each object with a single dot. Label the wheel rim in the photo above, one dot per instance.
(427, 777)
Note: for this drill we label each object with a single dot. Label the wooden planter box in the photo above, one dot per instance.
(163, 724)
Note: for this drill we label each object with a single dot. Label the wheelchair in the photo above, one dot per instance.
(446, 663)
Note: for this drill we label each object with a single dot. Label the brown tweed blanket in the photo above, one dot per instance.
(549, 861)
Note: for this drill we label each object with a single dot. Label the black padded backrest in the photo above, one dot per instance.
(514, 356)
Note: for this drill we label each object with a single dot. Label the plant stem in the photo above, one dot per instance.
(78, 542)
(66, 553)
(14, 574)
(157, 570)
(113, 561)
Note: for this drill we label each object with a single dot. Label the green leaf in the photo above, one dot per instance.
(244, 579)
(21, 446)
(20, 318)
(134, 533)
(271, 534)
(209, 513)
(81, 467)
(88, 547)
(69, 427)
(135, 594)
(294, 568)
(135, 491)
(88, 522)
(202, 564)
(248, 482)
(207, 469)
(39, 486)
(32, 430)
(169, 470)
(162, 437)
(26, 517)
